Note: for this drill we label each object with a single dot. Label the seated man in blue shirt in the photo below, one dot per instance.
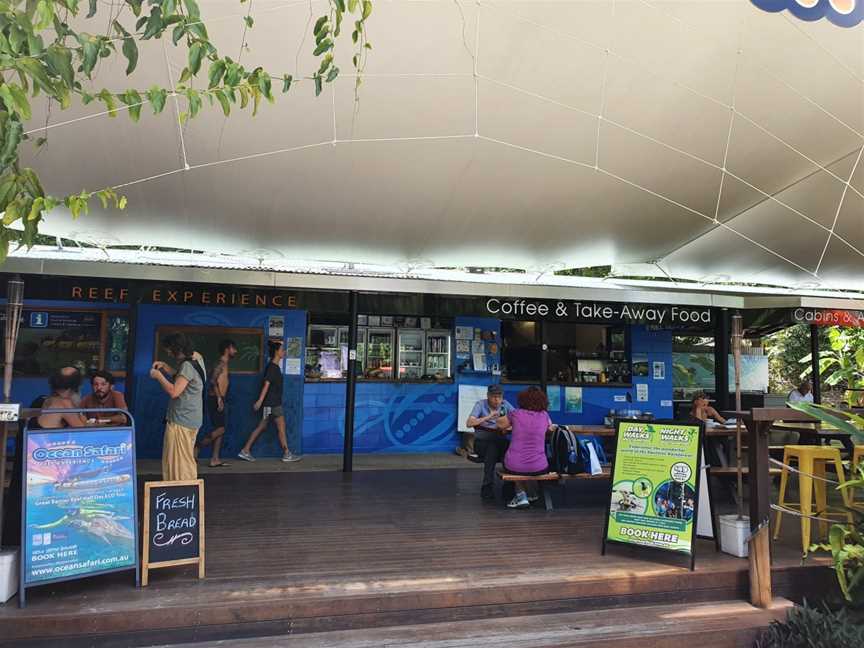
(489, 442)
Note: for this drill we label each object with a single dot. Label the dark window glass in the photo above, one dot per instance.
(520, 353)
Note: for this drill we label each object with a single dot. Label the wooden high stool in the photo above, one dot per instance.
(811, 460)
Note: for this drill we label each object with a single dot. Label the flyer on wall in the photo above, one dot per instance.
(80, 515)
(654, 485)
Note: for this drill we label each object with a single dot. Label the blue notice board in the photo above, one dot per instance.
(79, 504)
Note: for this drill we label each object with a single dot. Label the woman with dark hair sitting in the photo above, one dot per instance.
(527, 452)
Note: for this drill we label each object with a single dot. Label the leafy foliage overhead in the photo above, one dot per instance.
(52, 49)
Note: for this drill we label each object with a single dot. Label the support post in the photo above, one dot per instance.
(760, 477)
(131, 343)
(760, 567)
(350, 388)
(721, 361)
(544, 356)
(814, 363)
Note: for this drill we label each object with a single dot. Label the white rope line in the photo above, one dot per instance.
(540, 97)
(808, 36)
(603, 80)
(738, 54)
(176, 108)
(839, 209)
(148, 178)
(253, 156)
(777, 462)
(788, 511)
(551, 156)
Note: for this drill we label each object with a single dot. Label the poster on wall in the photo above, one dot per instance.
(642, 393)
(573, 400)
(293, 346)
(480, 362)
(464, 333)
(276, 326)
(655, 480)
(553, 393)
(659, 370)
(80, 511)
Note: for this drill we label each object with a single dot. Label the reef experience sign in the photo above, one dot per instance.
(598, 312)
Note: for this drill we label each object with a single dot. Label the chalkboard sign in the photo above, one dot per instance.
(173, 525)
(205, 340)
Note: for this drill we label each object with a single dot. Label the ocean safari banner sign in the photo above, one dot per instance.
(79, 503)
(655, 481)
(843, 13)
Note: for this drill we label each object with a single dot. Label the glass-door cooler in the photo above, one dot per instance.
(410, 354)
(438, 354)
(379, 354)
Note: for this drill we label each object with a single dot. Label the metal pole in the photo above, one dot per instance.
(737, 335)
(14, 305)
(131, 342)
(544, 356)
(814, 363)
(721, 362)
(350, 388)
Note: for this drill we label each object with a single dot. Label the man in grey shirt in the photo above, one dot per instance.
(185, 410)
(489, 442)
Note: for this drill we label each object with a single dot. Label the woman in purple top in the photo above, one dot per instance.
(527, 452)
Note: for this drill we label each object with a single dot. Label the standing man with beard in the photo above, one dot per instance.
(217, 393)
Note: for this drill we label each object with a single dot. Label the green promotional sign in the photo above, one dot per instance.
(655, 485)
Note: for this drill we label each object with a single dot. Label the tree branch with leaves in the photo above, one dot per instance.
(43, 53)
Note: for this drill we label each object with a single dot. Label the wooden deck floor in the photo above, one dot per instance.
(302, 552)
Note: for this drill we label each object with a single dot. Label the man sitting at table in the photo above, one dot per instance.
(104, 396)
(804, 393)
(489, 442)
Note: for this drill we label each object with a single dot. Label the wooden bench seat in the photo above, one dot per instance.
(551, 477)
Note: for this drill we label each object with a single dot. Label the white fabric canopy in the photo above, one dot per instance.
(709, 140)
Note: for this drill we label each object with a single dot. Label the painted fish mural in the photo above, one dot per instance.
(843, 13)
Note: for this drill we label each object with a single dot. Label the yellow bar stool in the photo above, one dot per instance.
(857, 456)
(811, 460)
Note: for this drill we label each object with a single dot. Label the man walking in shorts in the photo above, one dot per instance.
(217, 393)
(269, 403)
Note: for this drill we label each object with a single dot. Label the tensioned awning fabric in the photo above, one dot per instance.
(703, 140)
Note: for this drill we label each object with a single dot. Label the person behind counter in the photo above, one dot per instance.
(490, 441)
(104, 396)
(702, 411)
(186, 409)
(526, 455)
(804, 393)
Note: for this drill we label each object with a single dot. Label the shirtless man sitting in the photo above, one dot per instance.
(64, 390)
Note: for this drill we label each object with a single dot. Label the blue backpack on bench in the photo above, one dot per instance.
(569, 453)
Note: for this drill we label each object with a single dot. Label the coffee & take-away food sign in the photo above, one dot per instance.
(602, 312)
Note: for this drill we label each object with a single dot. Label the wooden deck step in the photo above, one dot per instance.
(708, 625)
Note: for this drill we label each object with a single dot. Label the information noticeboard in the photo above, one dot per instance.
(78, 503)
(173, 525)
(655, 481)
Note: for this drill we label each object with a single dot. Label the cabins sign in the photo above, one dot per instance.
(584, 311)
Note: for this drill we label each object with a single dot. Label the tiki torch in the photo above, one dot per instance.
(14, 304)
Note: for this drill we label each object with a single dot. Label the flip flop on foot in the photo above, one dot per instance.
(221, 464)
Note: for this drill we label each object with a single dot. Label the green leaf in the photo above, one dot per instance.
(196, 54)
(130, 51)
(352, 5)
(325, 63)
(11, 214)
(121, 203)
(223, 101)
(179, 30)
(157, 97)
(367, 9)
(192, 9)
(334, 72)
(154, 24)
(44, 16)
(36, 209)
(132, 99)
(92, 10)
(194, 103)
(110, 104)
(15, 100)
(286, 82)
(90, 48)
(217, 69)
(317, 79)
(264, 84)
(319, 24)
(323, 46)
(8, 189)
(340, 4)
(185, 75)
(59, 60)
(367, 45)
(249, 20)
(197, 29)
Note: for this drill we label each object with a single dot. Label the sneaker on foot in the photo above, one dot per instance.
(245, 456)
(533, 498)
(290, 457)
(520, 501)
(473, 457)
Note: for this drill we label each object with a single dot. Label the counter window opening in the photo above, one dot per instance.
(206, 339)
(389, 348)
(577, 354)
(90, 340)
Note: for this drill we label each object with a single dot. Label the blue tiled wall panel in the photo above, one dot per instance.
(151, 402)
(388, 417)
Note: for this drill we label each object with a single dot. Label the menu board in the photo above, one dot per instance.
(79, 503)
(655, 481)
(173, 525)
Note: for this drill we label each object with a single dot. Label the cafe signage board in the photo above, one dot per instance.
(79, 504)
(601, 312)
(829, 317)
(653, 498)
(173, 525)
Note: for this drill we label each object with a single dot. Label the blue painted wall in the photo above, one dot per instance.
(151, 402)
(389, 417)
